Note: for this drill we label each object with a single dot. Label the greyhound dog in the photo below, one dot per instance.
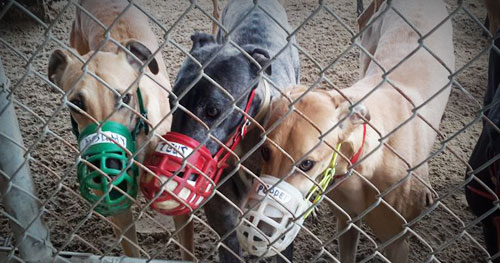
(480, 199)
(119, 69)
(239, 75)
(353, 120)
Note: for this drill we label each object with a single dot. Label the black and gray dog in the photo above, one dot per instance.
(482, 201)
(262, 38)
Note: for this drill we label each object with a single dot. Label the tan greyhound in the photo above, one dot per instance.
(420, 77)
(119, 71)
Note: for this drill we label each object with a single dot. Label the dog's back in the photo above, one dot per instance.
(392, 40)
(421, 74)
(133, 24)
(261, 30)
(87, 35)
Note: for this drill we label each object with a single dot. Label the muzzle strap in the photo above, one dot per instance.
(74, 126)
(329, 174)
(264, 107)
(241, 131)
(355, 157)
(144, 113)
(327, 178)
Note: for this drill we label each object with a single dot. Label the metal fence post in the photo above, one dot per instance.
(16, 185)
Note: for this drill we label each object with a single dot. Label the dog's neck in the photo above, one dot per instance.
(264, 106)
(353, 144)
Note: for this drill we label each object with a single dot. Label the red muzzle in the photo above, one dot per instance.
(182, 188)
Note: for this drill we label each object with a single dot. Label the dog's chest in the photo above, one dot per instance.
(254, 161)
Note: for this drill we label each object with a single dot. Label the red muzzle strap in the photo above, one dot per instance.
(241, 131)
(356, 156)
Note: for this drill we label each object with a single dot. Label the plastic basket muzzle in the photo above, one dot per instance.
(181, 190)
(104, 150)
(272, 220)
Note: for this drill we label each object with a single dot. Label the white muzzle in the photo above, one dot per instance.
(275, 217)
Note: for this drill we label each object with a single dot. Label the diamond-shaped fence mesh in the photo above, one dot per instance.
(412, 193)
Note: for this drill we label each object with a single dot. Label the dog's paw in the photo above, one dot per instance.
(429, 198)
(315, 215)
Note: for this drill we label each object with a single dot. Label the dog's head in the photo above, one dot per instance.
(297, 139)
(98, 99)
(236, 74)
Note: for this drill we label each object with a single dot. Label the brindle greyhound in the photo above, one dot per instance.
(480, 199)
(262, 38)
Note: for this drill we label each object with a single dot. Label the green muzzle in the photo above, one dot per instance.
(110, 150)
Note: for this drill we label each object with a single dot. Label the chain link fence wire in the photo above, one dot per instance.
(329, 47)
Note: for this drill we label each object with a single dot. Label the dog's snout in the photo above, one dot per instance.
(115, 194)
(266, 228)
(113, 163)
(191, 177)
(96, 163)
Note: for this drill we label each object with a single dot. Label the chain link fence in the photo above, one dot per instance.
(45, 219)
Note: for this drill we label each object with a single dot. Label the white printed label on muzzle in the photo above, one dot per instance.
(276, 192)
(178, 150)
(103, 137)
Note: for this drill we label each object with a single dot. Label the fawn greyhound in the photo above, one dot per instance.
(261, 37)
(302, 142)
(93, 101)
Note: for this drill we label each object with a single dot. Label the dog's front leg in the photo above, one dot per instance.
(398, 251)
(216, 15)
(223, 218)
(348, 242)
(122, 221)
(287, 253)
(186, 236)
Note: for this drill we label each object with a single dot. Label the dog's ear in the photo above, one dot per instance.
(261, 56)
(360, 112)
(359, 115)
(295, 91)
(201, 39)
(142, 53)
(58, 62)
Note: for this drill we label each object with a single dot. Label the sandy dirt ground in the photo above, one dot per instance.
(323, 38)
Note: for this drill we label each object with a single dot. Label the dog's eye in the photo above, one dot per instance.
(306, 165)
(266, 153)
(126, 99)
(78, 102)
(212, 111)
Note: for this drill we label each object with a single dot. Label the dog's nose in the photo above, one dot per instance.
(97, 164)
(115, 194)
(192, 177)
(113, 163)
(266, 228)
